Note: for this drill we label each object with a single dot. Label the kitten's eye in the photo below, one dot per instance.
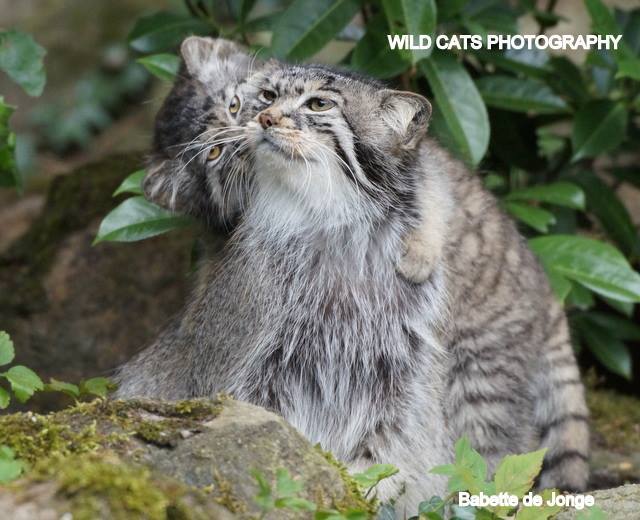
(214, 153)
(320, 105)
(267, 96)
(234, 107)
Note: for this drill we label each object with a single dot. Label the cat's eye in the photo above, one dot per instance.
(234, 106)
(214, 153)
(320, 105)
(267, 96)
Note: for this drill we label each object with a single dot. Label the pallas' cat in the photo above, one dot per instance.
(308, 314)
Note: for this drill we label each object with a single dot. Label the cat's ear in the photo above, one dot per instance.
(406, 114)
(199, 52)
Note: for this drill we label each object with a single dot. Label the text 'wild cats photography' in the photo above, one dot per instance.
(320, 260)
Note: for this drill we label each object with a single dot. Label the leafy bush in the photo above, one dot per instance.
(22, 60)
(535, 124)
(514, 476)
(24, 382)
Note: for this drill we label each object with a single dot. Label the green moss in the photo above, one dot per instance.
(102, 486)
(353, 499)
(35, 437)
(196, 409)
(87, 427)
(617, 418)
(98, 485)
(178, 417)
(222, 493)
(164, 433)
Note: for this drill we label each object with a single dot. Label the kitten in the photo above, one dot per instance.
(204, 175)
(210, 177)
(307, 315)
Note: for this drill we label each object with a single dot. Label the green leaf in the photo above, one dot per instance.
(10, 467)
(599, 127)
(566, 78)
(374, 474)
(628, 67)
(515, 473)
(7, 352)
(459, 103)
(295, 504)
(616, 326)
(99, 386)
(602, 19)
(604, 24)
(538, 218)
(603, 202)
(520, 95)
(163, 66)
(560, 284)
(434, 504)
(609, 350)
(308, 25)
(8, 171)
(263, 23)
(625, 308)
(413, 17)
(264, 498)
(285, 485)
(132, 184)
(372, 54)
(245, 9)
(580, 297)
(60, 386)
(531, 62)
(602, 69)
(542, 512)
(470, 513)
(558, 193)
(24, 382)
(5, 398)
(137, 219)
(596, 265)
(469, 471)
(21, 58)
(163, 31)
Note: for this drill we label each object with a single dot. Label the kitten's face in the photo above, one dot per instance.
(200, 163)
(331, 142)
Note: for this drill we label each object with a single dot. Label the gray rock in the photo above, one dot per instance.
(619, 503)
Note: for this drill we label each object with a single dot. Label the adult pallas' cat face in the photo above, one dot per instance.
(336, 144)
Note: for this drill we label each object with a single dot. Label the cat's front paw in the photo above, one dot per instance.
(156, 187)
(416, 266)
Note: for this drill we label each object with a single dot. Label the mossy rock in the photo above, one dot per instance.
(156, 460)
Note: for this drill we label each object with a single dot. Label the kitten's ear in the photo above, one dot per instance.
(199, 51)
(407, 114)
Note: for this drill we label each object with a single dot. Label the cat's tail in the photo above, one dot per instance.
(561, 412)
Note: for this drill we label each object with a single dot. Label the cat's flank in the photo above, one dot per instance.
(308, 316)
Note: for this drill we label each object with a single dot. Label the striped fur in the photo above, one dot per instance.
(308, 316)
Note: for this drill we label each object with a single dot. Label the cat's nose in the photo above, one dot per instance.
(267, 119)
